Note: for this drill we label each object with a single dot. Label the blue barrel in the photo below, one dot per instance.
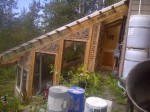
(76, 95)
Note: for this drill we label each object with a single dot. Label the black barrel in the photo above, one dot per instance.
(138, 86)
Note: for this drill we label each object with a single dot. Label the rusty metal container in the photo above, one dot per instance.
(138, 86)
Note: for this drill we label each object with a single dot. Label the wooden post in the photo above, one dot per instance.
(40, 73)
(21, 80)
(87, 51)
(93, 48)
(58, 62)
(121, 66)
(31, 74)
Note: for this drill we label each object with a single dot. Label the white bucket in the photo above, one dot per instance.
(95, 104)
(57, 99)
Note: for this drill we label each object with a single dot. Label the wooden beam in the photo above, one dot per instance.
(31, 74)
(59, 61)
(88, 17)
(8, 64)
(40, 40)
(100, 12)
(121, 65)
(40, 73)
(44, 52)
(113, 8)
(77, 40)
(57, 31)
(68, 27)
(94, 46)
(77, 22)
(87, 51)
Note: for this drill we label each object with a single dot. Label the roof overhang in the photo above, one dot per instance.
(105, 14)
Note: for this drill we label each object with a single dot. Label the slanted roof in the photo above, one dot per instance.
(15, 53)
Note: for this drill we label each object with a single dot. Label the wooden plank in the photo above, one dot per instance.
(44, 52)
(109, 44)
(9, 63)
(77, 40)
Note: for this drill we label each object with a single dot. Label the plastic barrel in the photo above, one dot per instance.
(132, 58)
(76, 96)
(139, 32)
(57, 99)
(95, 104)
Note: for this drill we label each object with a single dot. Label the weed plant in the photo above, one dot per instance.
(95, 83)
(91, 82)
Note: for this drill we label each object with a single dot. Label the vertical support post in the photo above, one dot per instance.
(94, 47)
(87, 51)
(40, 74)
(58, 63)
(21, 80)
(31, 74)
(123, 50)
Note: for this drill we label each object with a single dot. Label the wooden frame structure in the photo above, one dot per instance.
(89, 29)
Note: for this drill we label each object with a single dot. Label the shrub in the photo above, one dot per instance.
(111, 82)
(10, 105)
(91, 82)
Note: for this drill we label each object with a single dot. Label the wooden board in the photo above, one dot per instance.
(109, 44)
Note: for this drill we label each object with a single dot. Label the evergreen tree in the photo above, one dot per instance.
(57, 13)
(6, 22)
(18, 29)
(6, 13)
(30, 21)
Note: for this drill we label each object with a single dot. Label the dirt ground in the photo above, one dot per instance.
(108, 95)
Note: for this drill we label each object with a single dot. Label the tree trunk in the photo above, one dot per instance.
(100, 4)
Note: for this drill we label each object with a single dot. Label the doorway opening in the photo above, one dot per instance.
(109, 44)
(43, 76)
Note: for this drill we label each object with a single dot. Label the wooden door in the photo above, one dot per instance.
(109, 44)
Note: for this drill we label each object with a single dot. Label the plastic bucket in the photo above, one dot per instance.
(95, 104)
(76, 96)
(58, 99)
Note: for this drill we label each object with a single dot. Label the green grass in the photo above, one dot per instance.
(7, 87)
(111, 82)
(7, 81)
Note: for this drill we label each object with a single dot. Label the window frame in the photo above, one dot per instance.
(18, 87)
